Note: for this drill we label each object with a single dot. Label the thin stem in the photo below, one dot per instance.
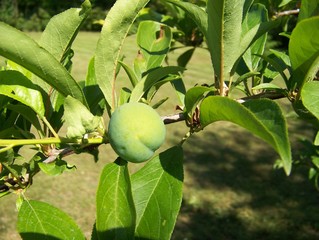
(50, 127)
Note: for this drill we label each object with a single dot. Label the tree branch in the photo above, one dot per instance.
(287, 13)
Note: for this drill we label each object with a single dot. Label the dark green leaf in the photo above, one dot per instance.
(115, 218)
(116, 27)
(261, 117)
(157, 193)
(41, 221)
(27, 113)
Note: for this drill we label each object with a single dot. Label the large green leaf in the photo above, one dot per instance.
(60, 33)
(15, 85)
(310, 97)
(115, 218)
(62, 29)
(224, 34)
(41, 221)
(154, 39)
(115, 29)
(304, 51)
(157, 194)
(256, 15)
(261, 117)
(23, 50)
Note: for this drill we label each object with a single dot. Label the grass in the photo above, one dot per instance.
(231, 190)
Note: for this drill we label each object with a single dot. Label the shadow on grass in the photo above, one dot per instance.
(233, 192)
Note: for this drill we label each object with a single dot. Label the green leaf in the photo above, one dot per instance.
(27, 113)
(185, 57)
(224, 34)
(55, 168)
(194, 96)
(15, 85)
(261, 117)
(115, 29)
(255, 26)
(309, 8)
(180, 90)
(130, 73)
(92, 91)
(39, 220)
(115, 217)
(195, 12)
(270, 86)
(304, 51)
(310, 97)
(58, 36)
(157, 194)
(154, 39)
(79, 120)
(284, 2)
(151, 79)
(23, 50)
(125, 95)
(256, 15)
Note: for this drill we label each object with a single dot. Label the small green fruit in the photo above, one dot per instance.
(136, 131)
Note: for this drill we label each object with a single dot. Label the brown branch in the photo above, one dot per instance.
(173, 118)
(287, 13)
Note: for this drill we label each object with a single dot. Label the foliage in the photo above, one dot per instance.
(38, 95)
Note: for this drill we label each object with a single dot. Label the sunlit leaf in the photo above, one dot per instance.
(154, 40)
(304, 51)
(310, 97)
(261, 117)
(39, 220)
(15, 85)
(23, 50)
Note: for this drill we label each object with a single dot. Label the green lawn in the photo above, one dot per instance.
(231, 190)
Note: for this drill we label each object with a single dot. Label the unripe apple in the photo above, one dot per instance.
(136, 131)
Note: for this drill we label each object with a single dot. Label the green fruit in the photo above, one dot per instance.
(136, 131)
